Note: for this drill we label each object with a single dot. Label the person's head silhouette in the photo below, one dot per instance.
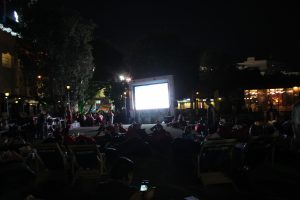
(123, 170)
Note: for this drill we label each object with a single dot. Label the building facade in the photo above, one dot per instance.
(14, 94)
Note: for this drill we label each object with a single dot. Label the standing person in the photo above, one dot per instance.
(188, 134)
(271, 113)
(40, 125)
(68, 118)
(111, 116)
(211, 116)
(181, 121)
(295, 119)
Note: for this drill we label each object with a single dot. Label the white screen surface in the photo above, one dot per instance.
(154, 96)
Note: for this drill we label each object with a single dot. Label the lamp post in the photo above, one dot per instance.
(6, 97)
(39, 91)
(125, 79)
(125, 105)
(68, 111)
(125, 100)
(68, 90)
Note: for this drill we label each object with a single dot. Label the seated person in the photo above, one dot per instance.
(89, 119)
(133, 130)
(256, 129)
(188, 135)
(157, 127)
(68, 139)
(82, 139)
(103, 138)
(222, 132)
(200, 127)
(119, 186)
(174, 123)
(213, 136)
(160, 139)
(121, 128)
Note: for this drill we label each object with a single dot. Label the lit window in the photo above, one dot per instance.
(6, 60)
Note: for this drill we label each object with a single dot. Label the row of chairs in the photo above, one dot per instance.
(209, 170)
(75, 161)
(215, 161)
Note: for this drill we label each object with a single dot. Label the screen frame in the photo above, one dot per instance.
(151, 116)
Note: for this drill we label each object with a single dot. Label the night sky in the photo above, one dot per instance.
(242, 28)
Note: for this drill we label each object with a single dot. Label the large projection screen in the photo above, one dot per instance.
(153, 96)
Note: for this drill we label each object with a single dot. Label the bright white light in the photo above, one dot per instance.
(9, 30)
(122, 78)
(16, 16)
(154, 96)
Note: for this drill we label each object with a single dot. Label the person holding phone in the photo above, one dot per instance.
(120, 184)
(144, 185)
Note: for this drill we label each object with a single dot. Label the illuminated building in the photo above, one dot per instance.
(11, 75)
(197, 104)
(281, 99)
(278, 87)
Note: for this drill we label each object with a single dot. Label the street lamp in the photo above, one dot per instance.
(128, 79)
(122, 77)
(125, 78)
(6, 97)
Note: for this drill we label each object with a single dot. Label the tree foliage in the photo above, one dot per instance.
(61, 41)
(114, 91)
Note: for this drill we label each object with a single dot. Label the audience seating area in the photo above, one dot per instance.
(224, 158)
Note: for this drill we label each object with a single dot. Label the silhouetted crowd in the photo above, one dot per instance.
(21, 154)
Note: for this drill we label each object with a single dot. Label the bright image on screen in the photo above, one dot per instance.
(151, 96)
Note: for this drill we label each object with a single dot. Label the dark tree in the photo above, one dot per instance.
(62, 39)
